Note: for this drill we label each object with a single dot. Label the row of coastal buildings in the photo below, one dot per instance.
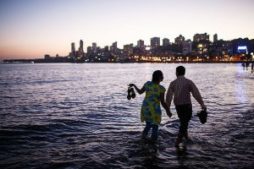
(201, 48)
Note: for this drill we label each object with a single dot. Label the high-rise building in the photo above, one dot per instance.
(179, 40)
(89, 49)
(73, 50)
(155, 42)
(187, 47)
(165, 42)
(106, 49)
(215, 37)
(128, 49)
(80, 53)
(113, 47)
(141, 44)
(201, 37)
(94, 47)
(81, 48)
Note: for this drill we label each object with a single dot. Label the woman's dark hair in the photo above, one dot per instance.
(180, 70)
(157, 76)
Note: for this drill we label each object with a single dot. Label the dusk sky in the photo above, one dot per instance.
(32, 28)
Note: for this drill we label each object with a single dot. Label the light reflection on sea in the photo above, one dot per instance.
(77, 116)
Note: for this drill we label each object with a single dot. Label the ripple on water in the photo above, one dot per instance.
(77, 116)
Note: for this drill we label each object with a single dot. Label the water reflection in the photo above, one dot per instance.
(182, 156)
(77, 116)
(240, 88)
(240, 91)
(150, 155)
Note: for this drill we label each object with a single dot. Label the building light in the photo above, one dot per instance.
(200, 45)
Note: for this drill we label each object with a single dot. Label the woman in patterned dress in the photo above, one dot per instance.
(151, 110)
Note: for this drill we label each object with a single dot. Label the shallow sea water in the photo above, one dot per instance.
(69, 116)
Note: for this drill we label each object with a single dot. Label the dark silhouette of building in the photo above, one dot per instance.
(215, 38)
(200, 37)
(155, 42)
(165, 42)
(73, 50)
(179, 40)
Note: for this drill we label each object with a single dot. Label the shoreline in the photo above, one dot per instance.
(40, 61)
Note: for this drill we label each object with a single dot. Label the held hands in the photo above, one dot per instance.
(169, 113)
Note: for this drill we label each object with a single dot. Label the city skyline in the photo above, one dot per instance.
(31, 28)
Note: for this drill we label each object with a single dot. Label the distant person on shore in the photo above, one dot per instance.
(180, 89)
(151, 110)
(252, 67)
(247, 65)
(243, 65)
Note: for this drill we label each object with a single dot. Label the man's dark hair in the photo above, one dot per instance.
(180, 70)
(157, 76)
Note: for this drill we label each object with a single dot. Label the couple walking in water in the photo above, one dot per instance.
(179, 90)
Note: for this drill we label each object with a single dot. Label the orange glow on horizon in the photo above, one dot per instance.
(31, 29)
(27, 53)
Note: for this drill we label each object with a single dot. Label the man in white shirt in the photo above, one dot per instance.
(180, 89)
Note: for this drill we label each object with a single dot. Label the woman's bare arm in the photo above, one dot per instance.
(140, 91)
